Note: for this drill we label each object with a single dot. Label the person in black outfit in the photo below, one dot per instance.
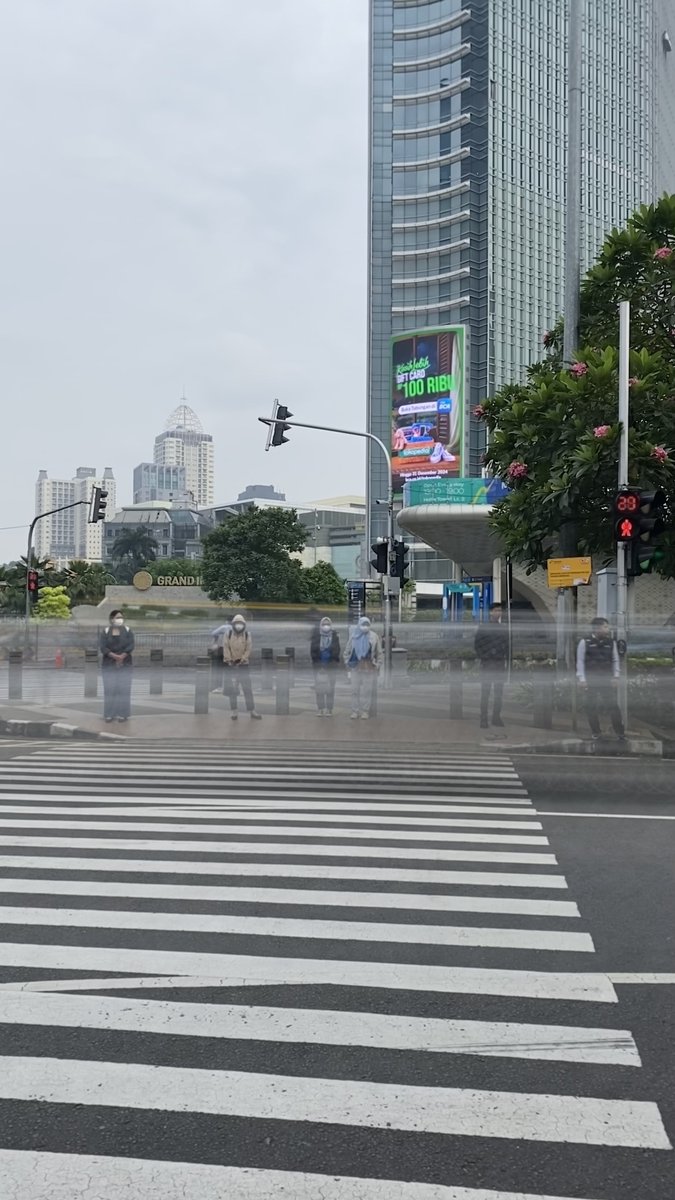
(324, 651)
(492, 651)
(598, 674)
(116, 645)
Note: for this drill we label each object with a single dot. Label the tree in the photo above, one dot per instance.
(554, 439)
(53, 604)
(13, 582)
(86, 582)
(175, 566)
(135, 547)
(250, 555)
(321, 584)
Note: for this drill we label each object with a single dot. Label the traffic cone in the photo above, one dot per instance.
(59, 659)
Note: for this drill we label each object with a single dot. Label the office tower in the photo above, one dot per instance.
(467, 196)
(68, 535)
(152, 482)
(183, 443)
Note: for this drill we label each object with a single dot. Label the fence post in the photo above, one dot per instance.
(283, 685)
(15, 675)
(202, 678)
(91, 674)
(156, 672)
(455, 670)
(290, 655)
(267, 669)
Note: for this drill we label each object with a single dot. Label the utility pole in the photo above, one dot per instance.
(575, 22)
(282, 422)
(622, 548)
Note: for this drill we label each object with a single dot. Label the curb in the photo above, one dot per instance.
(633, 747)
(55, 729)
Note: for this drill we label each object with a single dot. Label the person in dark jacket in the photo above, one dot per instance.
(598, 674)
(492, 651)
(324, 650)
(116, 645)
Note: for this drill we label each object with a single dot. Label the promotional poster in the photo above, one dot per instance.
(427, 405)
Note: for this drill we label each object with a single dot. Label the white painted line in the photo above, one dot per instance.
(646, 977)
(33, 1175)
(235, 771)
(108, 788)
(303, 896)
(293, 927)
(461, 1112)
(612, 816)
(241, 970)
(402, 875)
(447, 805)
(555, 1043)
(280, 849)
(340, 832)
(375, 819)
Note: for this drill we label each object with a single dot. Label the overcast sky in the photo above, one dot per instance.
(183, 205)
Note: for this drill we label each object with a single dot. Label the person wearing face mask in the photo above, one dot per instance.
(116, 645)
(237, 647)
(324, 652)
(363, 656)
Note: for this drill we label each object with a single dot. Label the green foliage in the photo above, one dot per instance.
(555, 438)
(85, 582)
(249, 556)
(174, 566)
(53, 604)
(322, 585)
(13, 582)
(137, 546)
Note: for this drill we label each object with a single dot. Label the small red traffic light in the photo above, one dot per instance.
(33, 581)
(626, 529)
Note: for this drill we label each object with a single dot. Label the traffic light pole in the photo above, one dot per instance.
(623, 548)
(29, 551)
(371, 437)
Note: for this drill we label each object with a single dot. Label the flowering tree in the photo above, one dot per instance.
(555, 438)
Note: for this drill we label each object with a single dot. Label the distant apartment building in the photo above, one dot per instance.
(154, 482)
(64, 536)
(183, 443)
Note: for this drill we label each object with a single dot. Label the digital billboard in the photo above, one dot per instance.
(427, 404)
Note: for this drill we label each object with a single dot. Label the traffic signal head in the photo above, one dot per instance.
(97, 505)
(278, 431)
(380, 562)
(640, 517)
(401, 564)
(33, 585)
(626, 515)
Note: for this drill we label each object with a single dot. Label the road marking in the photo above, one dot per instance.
(639, 978)
(42, 1176)
(339, 831)
(292, 927)
(446, 805)
(402, 875)
(190, 793)
(610, 816)
(559, 1043)
(209, 815)
(306, 849)
(461, 1112)
(241, 970)
(302, 896)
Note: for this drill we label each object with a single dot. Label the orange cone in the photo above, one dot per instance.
(59, 660)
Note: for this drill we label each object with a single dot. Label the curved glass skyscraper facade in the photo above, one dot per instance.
(468, 169)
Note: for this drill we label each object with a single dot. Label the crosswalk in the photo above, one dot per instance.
(294, 972)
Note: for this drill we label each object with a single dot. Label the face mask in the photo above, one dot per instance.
(326, 628)
(118, 620)
(238, 628)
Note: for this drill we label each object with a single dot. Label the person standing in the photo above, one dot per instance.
(324, 651)
(218, 636)
(598, 672)
(491, 645)
(363, 657)
(116, 645)
(237, 647)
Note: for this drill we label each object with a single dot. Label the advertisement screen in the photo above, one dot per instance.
(427, 405)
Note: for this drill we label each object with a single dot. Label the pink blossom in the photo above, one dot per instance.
(548, 338)
(663, 252)
(517, 470)
(633, 381)
(660, 453)
(479, 411)
(578, 369)
(601, 431)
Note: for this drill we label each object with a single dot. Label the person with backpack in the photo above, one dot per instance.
(598, 671)
(237, 647)
(363, 657)
(116, 645)
(324, 651)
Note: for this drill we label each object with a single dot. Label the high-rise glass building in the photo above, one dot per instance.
(183, 443)
(467, 179)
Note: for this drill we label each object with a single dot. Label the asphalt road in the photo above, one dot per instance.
(369, 982)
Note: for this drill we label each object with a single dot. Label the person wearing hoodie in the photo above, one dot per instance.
(363, 657)
(324, 651)
(237, 647)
